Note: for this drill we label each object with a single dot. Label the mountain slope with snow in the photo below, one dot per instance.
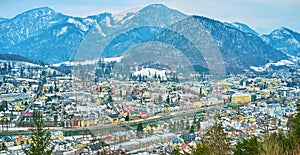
(281, 63)
(285, 40)
(44, 34)
(242, 27)
(238, 50)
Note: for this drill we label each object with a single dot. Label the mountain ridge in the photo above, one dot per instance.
(285, 40)
(3, 19)
(242, 27)
(57, 38)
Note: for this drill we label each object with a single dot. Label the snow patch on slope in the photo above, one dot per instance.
(94, 23)
(127, 18)
(267, 66)
(78, 24)
(257, 69)
(71, 63)
(121, 15)
(108, 22)
(100, 30)
(116, 59)
(88, 62)
(62, 31)
(280, 63)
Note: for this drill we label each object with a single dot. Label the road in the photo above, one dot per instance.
(21, 117)
(171, 115)
(98, 130)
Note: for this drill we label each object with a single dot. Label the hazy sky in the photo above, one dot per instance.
(262, 15)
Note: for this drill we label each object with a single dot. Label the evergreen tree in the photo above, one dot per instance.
(139, 130)
(50, 89)
(201, 92)
(26, 103)
(55, 117)
(2, 108)
(217, 140)
(5, 68)
(178, 98)
(127, 118)
(202, 149)
(48, 99)
(295, 124)
(44, 80)
(176, 152)
(9, 67)
(155, 76)
(22, 72)
(109, 98)
(176, 79)
(56, 90)
(40, 138)
(139, 77)
(5, 105)
(159, 77)
(248, 147)
(160, 100)
(192, 129)
(24, 90)
(168, 99)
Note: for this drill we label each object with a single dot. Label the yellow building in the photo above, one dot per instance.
(269, 80)
(241, 98)
(82, 144)
(252, 119)
(57, 135)
(148, 128)
(43, 97)
(88, 122)
(114, 118)
(21, 140)
(5, 118)
(197, 104)
(19, 106)
(167, 109)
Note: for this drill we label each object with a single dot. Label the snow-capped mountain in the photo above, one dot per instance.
(242, 27)
(125, 13)
(239, 50)
(28, 24)
(99, 38)
(153, 15)
(44, 34)
(285, 40)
